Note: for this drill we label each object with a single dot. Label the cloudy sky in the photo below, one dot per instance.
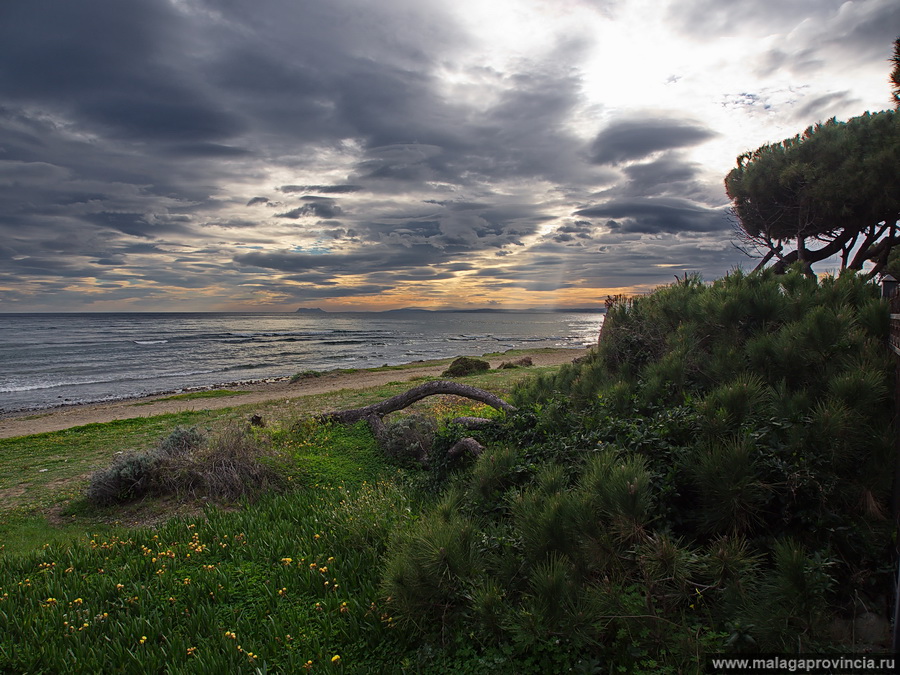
(191, 155)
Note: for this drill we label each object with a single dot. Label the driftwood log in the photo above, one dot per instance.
(374, 413)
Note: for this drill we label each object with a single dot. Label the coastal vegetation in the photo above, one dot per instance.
(714, 478)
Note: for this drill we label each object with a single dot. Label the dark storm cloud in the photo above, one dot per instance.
(657, 215)
(451, 228)
(419, 274)
(631, 139)
(661, 174)
(133, 134)
(326, 189)
(106, 96)
(650, 260)
(312, 278)
(106, 64)
(574, 234)
(800, 62)
(524, 134)
(863, 29)
(361, 262)
(211, 150)
(317, 207)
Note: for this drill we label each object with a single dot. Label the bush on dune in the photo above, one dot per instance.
(722, 450)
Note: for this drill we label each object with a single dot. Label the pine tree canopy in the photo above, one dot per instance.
(830, 191)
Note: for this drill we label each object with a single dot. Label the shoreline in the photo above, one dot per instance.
(58, 418)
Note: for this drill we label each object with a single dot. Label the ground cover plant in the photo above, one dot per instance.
(287, 586)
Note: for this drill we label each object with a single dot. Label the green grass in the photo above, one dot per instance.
(270, 587)
(215, 589)
(43, 475)
(211, 393)
(37, 470)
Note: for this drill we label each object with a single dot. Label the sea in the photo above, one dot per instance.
(50, 360)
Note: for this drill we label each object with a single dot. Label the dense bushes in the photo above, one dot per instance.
(229, 465)
(714, 477)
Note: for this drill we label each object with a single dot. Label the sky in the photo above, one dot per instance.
(265, 155)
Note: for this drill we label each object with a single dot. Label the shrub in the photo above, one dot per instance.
(711, 477)
(129, 477)
(732, 496)
(493, 473)
(465, 365)
(524, 361)
(409, 438)
(135, 475)
(429, 570)
(305, 375)
(181, 441)
(230, 466)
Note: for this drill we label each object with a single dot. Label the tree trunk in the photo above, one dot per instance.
(401, 401)
(374, 413)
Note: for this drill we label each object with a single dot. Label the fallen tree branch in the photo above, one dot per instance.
(374, 413)
(465, 445)
(406, 399)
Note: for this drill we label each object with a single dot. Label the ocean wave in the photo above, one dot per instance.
(79, 382)
(150, 342)
(345, 342)
(244, 366)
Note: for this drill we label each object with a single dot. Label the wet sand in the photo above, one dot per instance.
(65, 417)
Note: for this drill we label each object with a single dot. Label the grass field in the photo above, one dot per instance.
(287, 584)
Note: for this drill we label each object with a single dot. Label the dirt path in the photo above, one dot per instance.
(55, 419)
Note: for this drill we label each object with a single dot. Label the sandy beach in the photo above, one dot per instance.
(65, 417)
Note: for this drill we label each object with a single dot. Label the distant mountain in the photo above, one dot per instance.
(419, 310)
